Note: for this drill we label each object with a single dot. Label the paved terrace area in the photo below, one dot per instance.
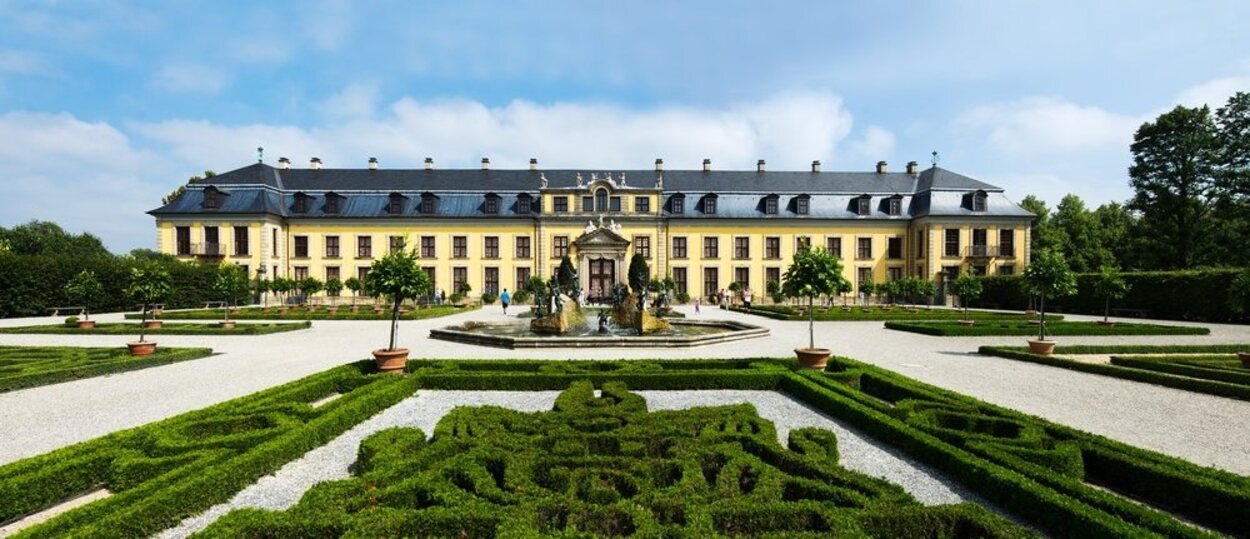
(1200, 428)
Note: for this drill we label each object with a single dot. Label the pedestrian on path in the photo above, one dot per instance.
(504, 298)
(697, 301)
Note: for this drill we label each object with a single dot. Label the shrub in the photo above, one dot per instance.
(71, 321)
(488, 298)
(1169, 295)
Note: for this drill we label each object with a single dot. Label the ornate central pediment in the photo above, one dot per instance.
(602, 237)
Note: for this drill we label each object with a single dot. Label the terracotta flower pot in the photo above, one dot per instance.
(145, 348)
(813, 358)
(1245, 359)
(391, 361)
(282, 310)
(332, 310)
(355, 309)
(153, 324)
(966, 323)
(227, 324)
(86, 324)
(1044, 348)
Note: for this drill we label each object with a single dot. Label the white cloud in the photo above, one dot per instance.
(190, 78)
(328, 22)
(1214, 93)
(789, 130)
(1040, 125)
(876, 144)
(356, 101)
(85, 176)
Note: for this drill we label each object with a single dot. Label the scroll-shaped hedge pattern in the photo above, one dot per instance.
(604, 466)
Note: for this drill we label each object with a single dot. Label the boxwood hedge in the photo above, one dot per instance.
(868, 314)
(316, 313)
(29, 366)
(984, 328)
(602, 466)
(165, 329)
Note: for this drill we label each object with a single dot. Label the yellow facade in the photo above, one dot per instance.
(703, 269)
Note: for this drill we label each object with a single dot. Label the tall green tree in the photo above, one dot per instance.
(639, 274)
(1080, 235)
(1042, 231)
(1173, 177)
(1232, 208)
(1119, 234)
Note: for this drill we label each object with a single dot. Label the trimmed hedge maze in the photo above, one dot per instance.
(165, 329)
(29, 366)
(1220, 378)
(987, 328)
(876, 313)
(166, 471)
(316, 313)
(605, 467)
(601, 466)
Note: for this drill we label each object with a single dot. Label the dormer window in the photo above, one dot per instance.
(212, 198)
(523, 203)
(429, 203)
(396, 204)
(491, 207)
(863, 206)
(978, 201)
(301, 203)
(709, 204)
(770, 205)
(333, 203)
(677, 204)
(895, 205)
(802, 204)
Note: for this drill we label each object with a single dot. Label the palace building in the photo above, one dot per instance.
(493, 229)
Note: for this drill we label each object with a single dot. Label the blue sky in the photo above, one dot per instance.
(105, 107)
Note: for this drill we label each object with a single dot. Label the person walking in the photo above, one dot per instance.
(720, 298)
(442, 296)
(697, 301)
(504, 298)
(746, 297)
(438, 298)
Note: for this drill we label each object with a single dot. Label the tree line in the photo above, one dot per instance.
(1190, 207)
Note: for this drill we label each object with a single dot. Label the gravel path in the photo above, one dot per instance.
(332, 461)
(1200, 428)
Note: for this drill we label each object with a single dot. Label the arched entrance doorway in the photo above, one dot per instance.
(600, 262)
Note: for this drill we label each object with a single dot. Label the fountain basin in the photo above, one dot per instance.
(683, 334)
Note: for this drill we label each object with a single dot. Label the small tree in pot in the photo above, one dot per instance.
(311, 287)
(928, 289)
(867, 288)
(333, 287)
(814, 272)
(968, 288)
(396, 277)
(1109, 286)
(355, 286)
(1239, 302)
(148, 284)
(261, 286)
(231, 286)
(1047, 276)
(85, 289)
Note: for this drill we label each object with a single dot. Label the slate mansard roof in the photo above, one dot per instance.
(463, 193)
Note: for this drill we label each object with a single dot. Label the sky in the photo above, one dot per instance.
(107, 106)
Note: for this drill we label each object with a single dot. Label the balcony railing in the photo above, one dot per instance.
(981, 251)
(208, 249)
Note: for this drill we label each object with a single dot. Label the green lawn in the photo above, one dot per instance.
(30, 366)
(984, 328)
(318, 313)
(601, 466)
(165, 329)
(869, 314)
(1214, 370)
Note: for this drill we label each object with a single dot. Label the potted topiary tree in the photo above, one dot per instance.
(774, 292)
(355, 286)
(1109, 285)
(968, 288)
(1047, 276)
(928, 289)
(148, 284)
(396, 277)
(309, 288)
(85, 289)
(867, 289)
(813, 272)
(261, 285)
(230, 285)
(333, 287)
(281, 287)
(1239, 302)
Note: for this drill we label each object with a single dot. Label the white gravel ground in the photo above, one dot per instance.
(332, 461)
(1204, 429)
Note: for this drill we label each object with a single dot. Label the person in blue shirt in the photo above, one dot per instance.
(504, 298)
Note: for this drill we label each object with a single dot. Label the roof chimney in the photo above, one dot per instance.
(373, 163)
(913, 167)
(429, 163)
(533, 163)
(284, 163)
(659, 165)
(759, 166)
(314, 163)
(881, 167)
(485, 163)
(707, 165)
(816, 166)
